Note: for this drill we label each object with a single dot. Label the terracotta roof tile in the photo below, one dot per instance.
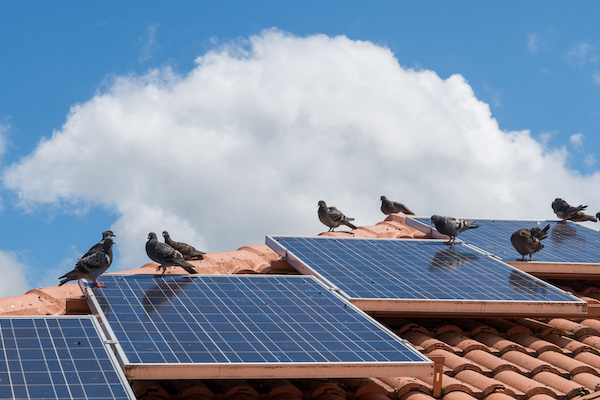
(540, 328)
(456, 364)
(404, 385)
(592, 323)
(493, 363)
(500, 344)
(507, 327)
(536, 344)
(417, 396)
(320, 389)
(591, 340)
(561, 385)
(450, 384)
(464, 343)
(541, 397)
(569, 346)
(473, 327)
(498, 396)
(277, 389)
(573, 327)
(567, 363)
(590, 359)
(532, 364)
(481, 382)
(521, 384)
(592, 382)
(457, 396)
(363, 387)
(194, 390)
(425, 342)
(149, 391)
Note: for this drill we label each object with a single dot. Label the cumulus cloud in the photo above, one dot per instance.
(577, 140)
(580, 55)
(247, 142)
(590, 160)
(533, 43)
(14, 275)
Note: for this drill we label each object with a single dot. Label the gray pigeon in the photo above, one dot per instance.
(564, 211)
(165, 255)
(451, 226)
(188, 252)
(98, 246)
(332, 217)
(92, 265)
(393, 207)
(528, 241)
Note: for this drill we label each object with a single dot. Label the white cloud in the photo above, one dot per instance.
(577, 140)
(13, 272)
(581, 54)
(259, 131)
(533, 43)
(590, 160)
(148, 44)
(596, 78)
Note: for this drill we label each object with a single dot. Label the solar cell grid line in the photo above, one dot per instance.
(425, 276)
(567, 242)
(245, 326)
(64, 357)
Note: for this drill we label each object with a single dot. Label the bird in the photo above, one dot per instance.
(565, 211)
(92, 265)
(452, 226)
(580, 216)
(188, 252)
(165, 255)
(332, 217)
(392, 207)
(98, 246)
(529, 241)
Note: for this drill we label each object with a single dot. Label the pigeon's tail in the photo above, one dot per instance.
(196, 255)
(186, 265)
(542, 234)
(350, 225)
(580, 216)
(70, 276)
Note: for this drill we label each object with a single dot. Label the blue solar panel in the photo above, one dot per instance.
(57, 358)
(241, 320)
(386, 269)
(566, 242)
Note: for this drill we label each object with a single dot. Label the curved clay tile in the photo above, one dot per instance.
(317, 388)
(569, 346)
(499, 396)
(425, 342)
(567, 363)
(363, 387)
(540, 328)
(328, 396)
(560, 384)
(590, 359)
(278, 389)
(473, 327)
(591, 340)
(573, 327)
(493, 363)
(448, 328)
(194, 390)
(415, 396)
(481, 382)
(532, 364)
(150, 390)
(404, 385)
(498, 343)
(456, 363)
(536, 344)
(462, 342)
(541, 397)
(458, 396)
(234, 389)
(519, 383)
(507, 327)
(372, 396)
(592, 323)
(450, 384)
(592, 382)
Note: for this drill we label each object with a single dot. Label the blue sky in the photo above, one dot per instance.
(536, 65)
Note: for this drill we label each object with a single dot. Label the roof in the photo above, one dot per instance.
(484, 358)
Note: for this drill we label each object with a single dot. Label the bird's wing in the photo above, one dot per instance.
(165, 252)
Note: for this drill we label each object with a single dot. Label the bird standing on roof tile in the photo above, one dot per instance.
(165, 255)
(188, 252)
(93, 263)
(393, 207)
(528, 241)
(564, 211)
(451, 226)
(332, 217)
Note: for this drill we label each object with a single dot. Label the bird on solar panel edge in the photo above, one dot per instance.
(100, 256)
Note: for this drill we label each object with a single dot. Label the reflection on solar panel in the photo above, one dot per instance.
(229, 326)
(422, 276)
(57, 358)
(566, 242)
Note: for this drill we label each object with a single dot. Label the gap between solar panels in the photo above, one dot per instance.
(245, 327)
(412, 277)
(571, 251)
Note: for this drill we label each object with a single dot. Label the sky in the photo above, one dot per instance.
(224, 122)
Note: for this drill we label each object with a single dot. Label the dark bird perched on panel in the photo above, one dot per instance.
(188, 252)
(528, 241)
(332, 217)
(92, 264)
(564, 211)
(451, 226)
(98, 246)
(165, 255)
(392, 207)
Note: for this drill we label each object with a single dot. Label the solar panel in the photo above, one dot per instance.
(566, 242)
(57, 358)
(245, 326)
(422, 276)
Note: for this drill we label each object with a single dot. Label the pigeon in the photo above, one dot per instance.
(529, 241)
(564, 211)
(92, 265)
(98, 246)
(452, 226)
(392, 207)
(332, 217)
(188, 252)
(580, 216)
(165, 255)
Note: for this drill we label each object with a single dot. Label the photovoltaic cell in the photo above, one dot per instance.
(232, 321)
(57, 358)
(566, 242)
(416, 270)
